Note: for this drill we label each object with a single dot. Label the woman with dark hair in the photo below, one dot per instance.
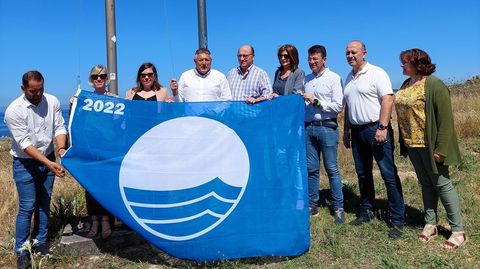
(148, 88)
(428, 137)
(288, 77)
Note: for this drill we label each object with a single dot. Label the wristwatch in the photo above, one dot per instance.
(317, 103)
(382, 127)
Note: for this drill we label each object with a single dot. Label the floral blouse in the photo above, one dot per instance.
(410, 107)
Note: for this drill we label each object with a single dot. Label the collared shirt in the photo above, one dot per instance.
(32, 125)
(254, 83)
(194, 87)
(363, 94)
(327, 88)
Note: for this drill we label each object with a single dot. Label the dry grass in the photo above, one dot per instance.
(331, 246)
(467, 109)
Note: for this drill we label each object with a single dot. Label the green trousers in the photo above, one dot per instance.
(436, 186)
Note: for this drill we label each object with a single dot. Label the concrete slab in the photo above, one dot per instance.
(75, 240)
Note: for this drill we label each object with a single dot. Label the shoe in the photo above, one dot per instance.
(42, 250)
(339, 216)
(364, 218)
(313, 211)
(395, 232)
(429, 232)
(23, 262)
(456, 240)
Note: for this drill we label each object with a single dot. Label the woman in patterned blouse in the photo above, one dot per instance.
(428, 137)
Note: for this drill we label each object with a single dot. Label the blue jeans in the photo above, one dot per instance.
(323, 140)
(364, 149)
(34, 183)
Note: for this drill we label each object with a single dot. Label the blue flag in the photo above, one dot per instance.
(200, 181)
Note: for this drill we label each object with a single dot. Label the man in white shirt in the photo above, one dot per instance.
(35, 121)
(201, 83)
(248, 82)
(324, 95)
(369, 100)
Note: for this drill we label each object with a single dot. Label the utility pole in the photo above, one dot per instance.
(111, 45)
(202, 24)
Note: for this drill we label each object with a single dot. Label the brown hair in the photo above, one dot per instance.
(419, 59)
(156, 85)
(292, 53)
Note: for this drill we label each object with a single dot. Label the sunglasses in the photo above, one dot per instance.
(101, 76)
(145, 75)
(286, 56)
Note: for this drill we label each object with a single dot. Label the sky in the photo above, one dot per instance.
(64, 39)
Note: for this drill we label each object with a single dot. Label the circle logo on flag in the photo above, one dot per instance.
(184, 177)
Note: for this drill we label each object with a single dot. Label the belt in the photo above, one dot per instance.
(327, 123)
(364, 125)
(50, 156)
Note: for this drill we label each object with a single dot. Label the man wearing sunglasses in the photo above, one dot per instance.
(247, 81)
(201, 83)
(35, 121)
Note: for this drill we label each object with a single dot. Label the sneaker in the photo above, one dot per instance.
(339, 216)
(23, 262)
(42, 249)
(313, 211)
(395, 232)
(364, 218)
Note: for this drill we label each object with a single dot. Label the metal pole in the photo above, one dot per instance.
(111, 45)
(202, 24)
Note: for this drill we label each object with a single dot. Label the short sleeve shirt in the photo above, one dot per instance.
(363, 94)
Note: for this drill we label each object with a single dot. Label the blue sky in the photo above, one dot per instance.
(64, 39)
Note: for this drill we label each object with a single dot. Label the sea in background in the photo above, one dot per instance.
(4, 132)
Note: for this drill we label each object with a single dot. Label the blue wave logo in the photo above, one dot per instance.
(184, 177)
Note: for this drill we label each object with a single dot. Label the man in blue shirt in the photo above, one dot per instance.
(248, 82)
(324, 97)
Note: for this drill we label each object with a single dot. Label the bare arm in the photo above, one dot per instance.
(61, 142)
(56, 168)
(386, 107)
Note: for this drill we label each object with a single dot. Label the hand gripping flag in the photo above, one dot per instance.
(200, 181)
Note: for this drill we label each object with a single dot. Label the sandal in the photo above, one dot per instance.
(429, 232)
(456, 240)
